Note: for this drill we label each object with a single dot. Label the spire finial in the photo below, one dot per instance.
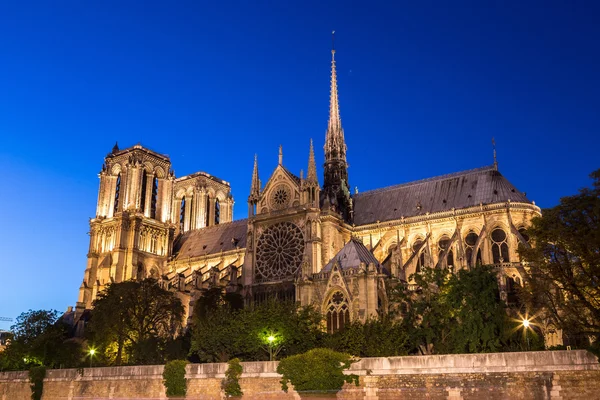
(255, 188)
(115, 148)
(280, 155)
(495, 159)
(332, 42)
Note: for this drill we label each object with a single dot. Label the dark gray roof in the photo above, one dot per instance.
(211, 240)
(459, 190)
(352, 255)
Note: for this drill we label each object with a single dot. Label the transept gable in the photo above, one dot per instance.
(281, 191)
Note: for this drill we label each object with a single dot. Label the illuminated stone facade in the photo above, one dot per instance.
(317, 245)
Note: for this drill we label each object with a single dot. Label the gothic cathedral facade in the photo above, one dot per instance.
(318, 245)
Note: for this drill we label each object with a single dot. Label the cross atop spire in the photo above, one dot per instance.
(495, 159)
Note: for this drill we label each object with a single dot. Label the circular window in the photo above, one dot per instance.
(280, 197)
(498, 235)
(279, 252)
(471, 239)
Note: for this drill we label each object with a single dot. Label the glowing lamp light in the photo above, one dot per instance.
(92, 352)
(526, 323)
(271, 339)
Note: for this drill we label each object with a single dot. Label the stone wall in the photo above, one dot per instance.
(533, 375)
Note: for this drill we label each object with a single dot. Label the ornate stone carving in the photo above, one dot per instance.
(279, 251)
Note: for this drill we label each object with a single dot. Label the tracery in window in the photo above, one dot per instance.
(338, 312)
(420, 257)
(117, 193)
(499, 246)
(470, 242)
(207, 213)
(443, 245)
(154, 197)
(279, 252)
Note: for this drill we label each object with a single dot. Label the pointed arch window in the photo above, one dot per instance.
(144, 187)
(217, 212)
(154, 197)
(207, 212)
(499, 246)
(338, 312)
(182, 214)
(117, 193)
(417, 247)
(470, 242)
(443, 246)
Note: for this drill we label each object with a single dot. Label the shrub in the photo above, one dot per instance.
(231, 383)
(174, 378)
(318, 370)
(36, 378)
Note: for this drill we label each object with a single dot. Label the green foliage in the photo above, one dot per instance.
(223, 331)
(319, 370)
(453, 313)
(564, 275)
(383, 337)
(36, 378)
(174, 378)
(40, 338)
(134, 322)
(231, 382)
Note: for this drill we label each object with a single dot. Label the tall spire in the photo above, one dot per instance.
(255, 188)
(311, 174)
(336, 194)
(335, 146)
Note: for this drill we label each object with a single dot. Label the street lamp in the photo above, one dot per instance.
(526, 326)
(91, 352)
(271, 340)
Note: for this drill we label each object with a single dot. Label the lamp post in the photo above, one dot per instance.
(91, 353)
(270, 341)
(526, 326)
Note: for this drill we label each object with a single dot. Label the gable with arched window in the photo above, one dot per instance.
(338, 312)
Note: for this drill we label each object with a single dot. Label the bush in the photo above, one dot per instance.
(36, 377)
(318, 370)
(231, 383)
(174, 378)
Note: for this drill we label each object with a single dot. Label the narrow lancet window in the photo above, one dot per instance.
(154, 197)
(117, 193)
(144, 186)
(217, 212)
(182, 214)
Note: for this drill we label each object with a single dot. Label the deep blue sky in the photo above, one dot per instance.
(423, 89)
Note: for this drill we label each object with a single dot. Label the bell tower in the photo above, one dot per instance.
(132, 232)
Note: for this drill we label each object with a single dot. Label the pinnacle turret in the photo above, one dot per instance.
(255, 187)
(311, 174)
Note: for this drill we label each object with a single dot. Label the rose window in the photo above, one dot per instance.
(279, 252)
(281, 197)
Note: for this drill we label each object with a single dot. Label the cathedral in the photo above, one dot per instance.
(310, 241)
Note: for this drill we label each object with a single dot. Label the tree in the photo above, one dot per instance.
(563, 281)
(40, 338)
(453, 313)
(135, 318)
(222, 330)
